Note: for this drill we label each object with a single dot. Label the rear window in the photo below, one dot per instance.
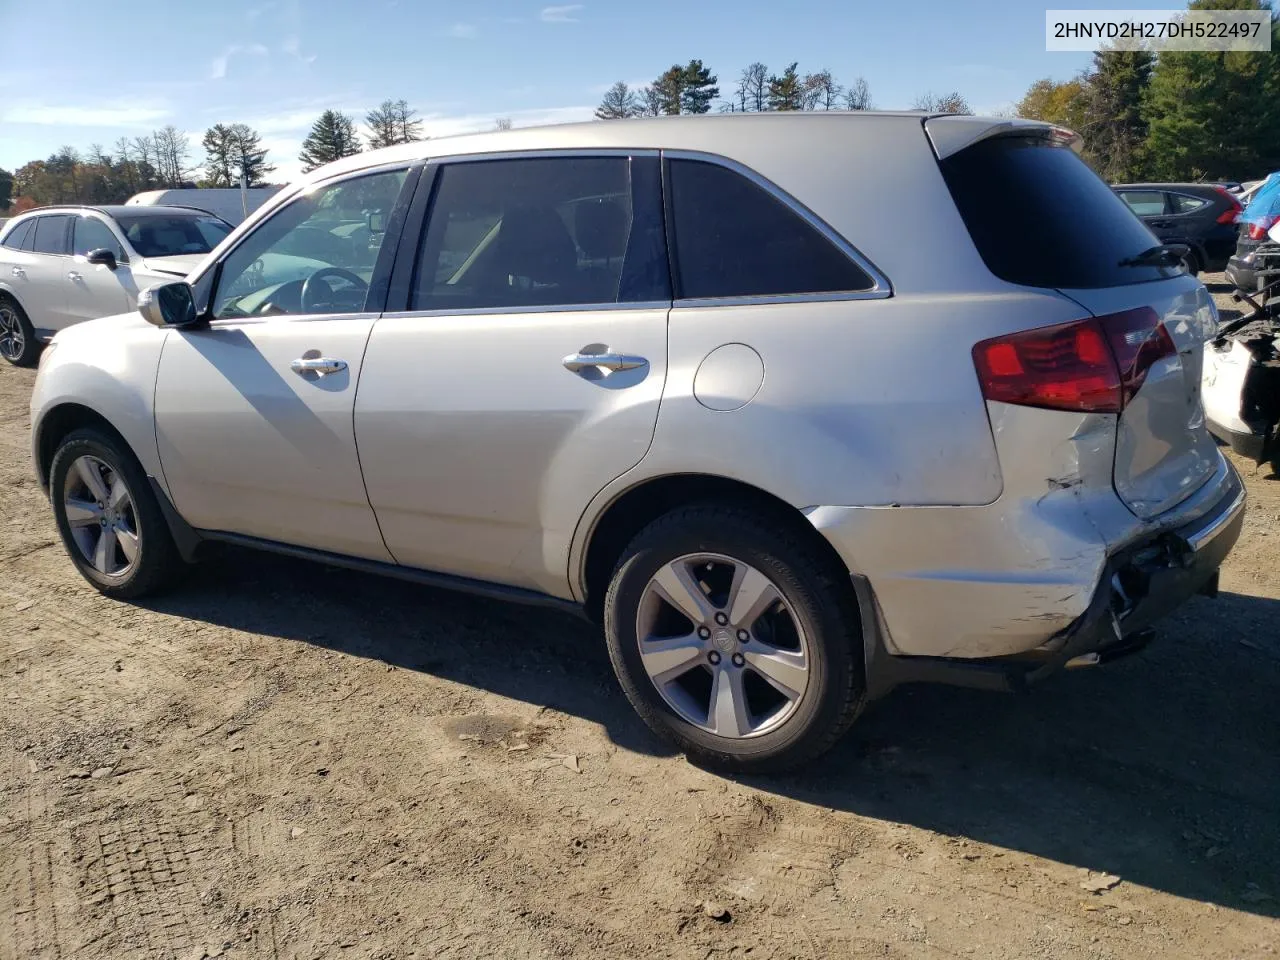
(1040, 217)
(735, 239)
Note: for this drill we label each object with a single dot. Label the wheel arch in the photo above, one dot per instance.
(57, 423)
(633, 508)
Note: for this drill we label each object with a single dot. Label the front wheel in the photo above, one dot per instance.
(733, 640)
(109, 520)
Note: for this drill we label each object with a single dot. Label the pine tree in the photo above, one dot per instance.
(1214, 114)
(332, 137)
(668, 89)
(787, 91)
(247, 156)
(618, 103)
(218, 168)
(1114, 129)
(698, 89)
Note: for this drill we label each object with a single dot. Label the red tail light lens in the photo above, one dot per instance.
(1232, 214)
(1065, 367)
(1138, 339)
(1258, 230)
(1093, 366)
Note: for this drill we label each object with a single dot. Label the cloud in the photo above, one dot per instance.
(293, 47)
(462, 31)
(116, 113)
(561, 14)
(218, 66)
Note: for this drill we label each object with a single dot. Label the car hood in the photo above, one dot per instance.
(178, 266)
(103, 329)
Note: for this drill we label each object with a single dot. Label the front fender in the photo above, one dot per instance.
(107, 367)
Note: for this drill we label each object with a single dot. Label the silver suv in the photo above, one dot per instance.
(63, 265)
(799, 406)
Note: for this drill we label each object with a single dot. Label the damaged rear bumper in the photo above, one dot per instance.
(1140, 583)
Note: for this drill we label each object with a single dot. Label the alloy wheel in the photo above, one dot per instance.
(12, 340)
(721, 645)
(101, 514)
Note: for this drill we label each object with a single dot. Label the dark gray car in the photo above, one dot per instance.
(1201, 215)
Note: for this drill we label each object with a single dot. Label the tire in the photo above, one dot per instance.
(824, 634)
(18, 343)
(1192, 263)
(136, 517)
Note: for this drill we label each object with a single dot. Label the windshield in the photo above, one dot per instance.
(1265, 205)
(173, 235)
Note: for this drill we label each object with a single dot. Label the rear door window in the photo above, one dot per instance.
(51, 235)
(16, 236)
(1145, 203)
(543, 232)
(1182, 203)
(733, 238)
(1040, 217)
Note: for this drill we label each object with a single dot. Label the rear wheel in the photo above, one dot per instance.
(18, 342)
(109, 520)
(732, 640)
(1191, 263)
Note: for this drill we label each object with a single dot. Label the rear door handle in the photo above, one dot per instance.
(317, 365)
(74, 275)
(577, 362)
(18, 272)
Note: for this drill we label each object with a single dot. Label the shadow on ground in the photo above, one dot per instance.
(1163, 769)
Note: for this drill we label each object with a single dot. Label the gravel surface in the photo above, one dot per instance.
(283, 760)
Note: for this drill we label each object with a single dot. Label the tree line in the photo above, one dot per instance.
(1172, 116)
(693, 88)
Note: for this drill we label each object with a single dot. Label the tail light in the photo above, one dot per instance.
(1258, 229)
(1093, 366)
(1232, 213)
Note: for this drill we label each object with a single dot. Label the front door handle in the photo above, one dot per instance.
(74, 275)
(317, 365)
(18, 272)
(577, 362)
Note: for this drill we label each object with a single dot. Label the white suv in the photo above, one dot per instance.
(63, 265)
(699, 377)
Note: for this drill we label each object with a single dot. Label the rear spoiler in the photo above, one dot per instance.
(951, 133)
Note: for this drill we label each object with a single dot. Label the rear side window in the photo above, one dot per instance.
(1040, 217)
(19, 233)
(1185, 204)
(51, 235)
(1145, 203)
(733, 238)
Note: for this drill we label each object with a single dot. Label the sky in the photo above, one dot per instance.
(78, 73)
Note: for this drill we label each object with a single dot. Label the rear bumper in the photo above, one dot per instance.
(1140, 583)
(1247, 444)
(1240, 273)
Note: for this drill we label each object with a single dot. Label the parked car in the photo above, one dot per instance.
(1202, 216)
(226, 203)
(62, 265)
(1260, 215)
(976, 467)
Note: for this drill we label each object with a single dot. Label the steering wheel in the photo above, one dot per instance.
(310, 296)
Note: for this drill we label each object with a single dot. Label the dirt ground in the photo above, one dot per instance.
(281, 760)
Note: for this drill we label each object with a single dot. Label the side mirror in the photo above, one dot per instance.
(377, 221)
(103, 257)
(169, 304)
